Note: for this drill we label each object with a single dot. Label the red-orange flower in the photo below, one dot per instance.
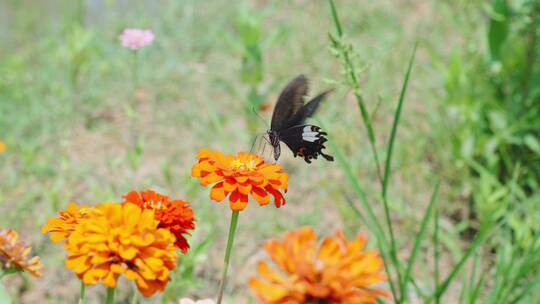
(61, 227)
(338, 271)
(175, 215)
(14, 254)
(238, 176)
(122, 239)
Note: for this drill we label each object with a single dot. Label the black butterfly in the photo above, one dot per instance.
(288, 126)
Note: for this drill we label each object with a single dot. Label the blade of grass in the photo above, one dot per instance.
(469, 283)
(465, 290)
(354, 208)
(384, 254)
(397, 117)
(371, 220)
(436, 254)
(417, 243)
(525, 291)
(476, 292)
(480, 238)
(526, 263)
(388, 165)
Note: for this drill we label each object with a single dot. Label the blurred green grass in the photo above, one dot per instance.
(67, 138)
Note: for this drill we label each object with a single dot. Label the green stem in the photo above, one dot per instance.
(531, 53)
(81, 293)
(232, 230)
(132, 104)
(6, 271)
(110, 296)
(135, 70)
(135, 297)
(436, 256)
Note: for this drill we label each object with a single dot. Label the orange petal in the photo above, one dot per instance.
(217, 193)
(268, 273)
(268, 293)
(244, 188)
(230, 185)
(279, 200)
(238, 201)
(260, 196)
(211, 178)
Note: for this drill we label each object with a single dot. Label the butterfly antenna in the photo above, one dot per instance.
(260, 117)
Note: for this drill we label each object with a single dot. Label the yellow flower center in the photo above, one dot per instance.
(243, 165)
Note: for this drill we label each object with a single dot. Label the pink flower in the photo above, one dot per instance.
(136, 38)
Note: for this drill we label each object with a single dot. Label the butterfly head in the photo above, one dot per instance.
(274, 141)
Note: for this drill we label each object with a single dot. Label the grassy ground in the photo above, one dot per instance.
(67, 141)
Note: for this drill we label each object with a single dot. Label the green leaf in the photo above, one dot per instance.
(533, 143)
(499, 26)
(249, 28)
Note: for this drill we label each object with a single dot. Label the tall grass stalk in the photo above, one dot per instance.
(386, 178)
(399, 275)
(353, 80)
(345, 53)
(371, 220)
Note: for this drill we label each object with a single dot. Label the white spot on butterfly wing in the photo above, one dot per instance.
(310, 139)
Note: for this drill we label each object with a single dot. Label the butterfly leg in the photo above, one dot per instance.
(253, 143)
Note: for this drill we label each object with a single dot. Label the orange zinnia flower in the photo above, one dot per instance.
(122, 239)
(337, 271)
(14, 254)
(61, 227)
(3, 146)
(175, 215)
(238, 176)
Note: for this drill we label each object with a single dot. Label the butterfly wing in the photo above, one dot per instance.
(306, 111)
(290, 101)
(306, 141)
